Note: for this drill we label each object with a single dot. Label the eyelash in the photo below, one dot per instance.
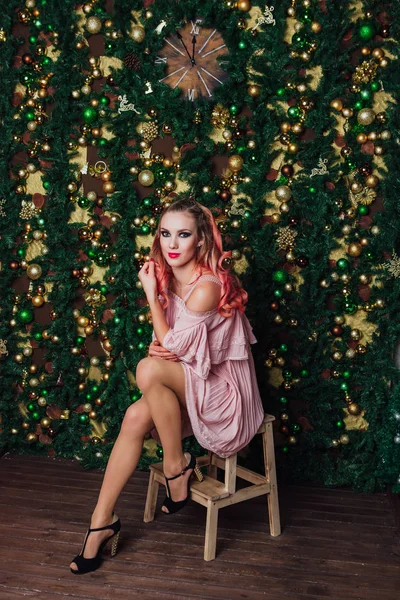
(185, 234)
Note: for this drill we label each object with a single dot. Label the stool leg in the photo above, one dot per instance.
(210, 544)
(212, 469)
(151, 500)
(270, 473)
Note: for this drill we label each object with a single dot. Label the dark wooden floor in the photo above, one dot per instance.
(335, 543)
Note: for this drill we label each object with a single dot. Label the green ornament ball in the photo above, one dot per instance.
(141, 345)
(304, 373)
(344, 387)
(103, 289)
(283, 348)
(375, 86)
(365, 94)
(278, 293)
(363, 210)
(280, 92)
(233, 109)
(366, 32)
(242, 45)
(36, 415)
(104, 101)
(359, 104)
(294, 112)
(280, 276)
(83, 418)
(31, 407)
(283, 400)
(159, 452)
(339, 424)
(346, 374)
(25, 315)
(83, 202)
(89, 114)
(343, 264)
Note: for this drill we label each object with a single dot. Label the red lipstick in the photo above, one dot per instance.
(173, 254)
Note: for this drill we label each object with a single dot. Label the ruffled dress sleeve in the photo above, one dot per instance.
(188, 339)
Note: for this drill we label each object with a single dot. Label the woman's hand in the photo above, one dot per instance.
(158, 351)
(148, 278)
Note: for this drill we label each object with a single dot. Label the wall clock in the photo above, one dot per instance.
(194, 60)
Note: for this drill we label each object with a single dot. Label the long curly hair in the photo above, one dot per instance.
(210, 257)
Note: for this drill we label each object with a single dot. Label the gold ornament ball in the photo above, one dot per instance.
(253, 91)
(108, 187)
(316, 27)
(372, 181)
(283, 193)
(275, 218)
(93, 25)
(235, 163)
(354, 249)
(293, 148)
(344, 439)
(366, 116)
(138, 33)
(45, 422)
(34, 271)
(146, 178)
(337, 104)
(37, 301)
(354, 409)
(243, 5)
(31, 437)
(355, 334)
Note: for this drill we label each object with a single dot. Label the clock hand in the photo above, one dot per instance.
(184, 45)
(194, 49)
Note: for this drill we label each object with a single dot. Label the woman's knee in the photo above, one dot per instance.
(147, 373)
(137, 419)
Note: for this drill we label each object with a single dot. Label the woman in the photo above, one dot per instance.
(199, 377)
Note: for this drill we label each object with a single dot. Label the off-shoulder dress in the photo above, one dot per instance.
(224, 408)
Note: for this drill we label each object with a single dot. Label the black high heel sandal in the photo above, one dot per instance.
(86, 565)
(170, 504)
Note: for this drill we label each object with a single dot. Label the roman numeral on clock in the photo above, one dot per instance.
(190, 93)
(161, 60)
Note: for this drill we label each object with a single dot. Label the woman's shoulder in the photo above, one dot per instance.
(206, 294)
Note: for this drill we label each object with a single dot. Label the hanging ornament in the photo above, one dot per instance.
(366, 116)
(146, 178)
(286, 237)
(393, 265)
(138, 33)
(321, 169)
(3, 348)
(34, 271)
(93, 25)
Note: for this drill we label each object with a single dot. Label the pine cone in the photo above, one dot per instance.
(132, 61)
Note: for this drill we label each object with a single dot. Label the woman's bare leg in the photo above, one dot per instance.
(163, 384)
(121, 464)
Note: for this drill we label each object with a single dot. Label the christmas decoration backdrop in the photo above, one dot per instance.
(284, 122)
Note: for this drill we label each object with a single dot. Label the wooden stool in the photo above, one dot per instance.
(215, 494)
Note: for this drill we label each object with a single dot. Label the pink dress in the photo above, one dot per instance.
(224, 408)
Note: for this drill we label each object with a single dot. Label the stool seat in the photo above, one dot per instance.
(215, 494)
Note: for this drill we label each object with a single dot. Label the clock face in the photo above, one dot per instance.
(190, 56)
